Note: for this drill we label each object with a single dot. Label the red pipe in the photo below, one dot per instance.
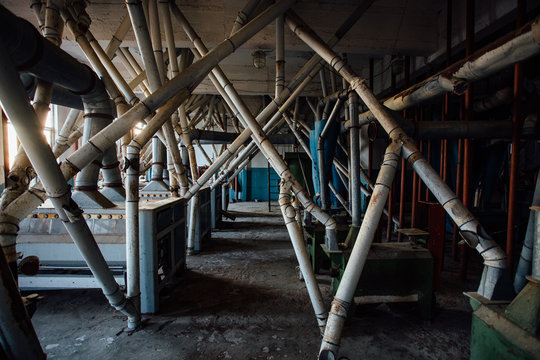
(403, 162)
(469, 44)
(514, 158)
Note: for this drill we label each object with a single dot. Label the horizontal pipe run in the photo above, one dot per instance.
(515, 47)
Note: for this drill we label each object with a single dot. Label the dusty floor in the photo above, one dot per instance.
(242, 299)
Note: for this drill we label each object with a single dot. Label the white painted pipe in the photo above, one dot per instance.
(13, 98)
(280, 56)
(470, 229)
(515, 47)
(355, 264)
(118, 37)
(297, 240)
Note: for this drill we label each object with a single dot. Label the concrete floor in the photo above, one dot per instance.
(242, 299)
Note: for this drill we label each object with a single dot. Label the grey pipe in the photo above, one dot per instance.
(353, 270)
(309, 70)
(280, 56)
(517, 46)
(524, 266)
(26, 124)
(536, 246)
(60, 95)
(354, 140)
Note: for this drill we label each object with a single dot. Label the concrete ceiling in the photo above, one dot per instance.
(388, 27)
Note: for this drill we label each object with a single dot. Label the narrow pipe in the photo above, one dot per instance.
(514, 157)
(345, 292)
(280, 56)
(323, 168)
(467, 188)
(354, 152)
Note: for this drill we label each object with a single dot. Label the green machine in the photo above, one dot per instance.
(394, 272)
(509, 330)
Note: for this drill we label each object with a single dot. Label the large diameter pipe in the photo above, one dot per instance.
(13, 99)
(355, 265)
(515, 47)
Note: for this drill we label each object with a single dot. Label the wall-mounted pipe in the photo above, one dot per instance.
(517, 46)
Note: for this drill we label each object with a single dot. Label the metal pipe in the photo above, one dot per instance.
(514, 157)
(280, 56)
(13, 98)
(353, 269)
(536, 246)
(243, 15)
(354, 157)
(297, 240)
(471, 229)
(515, 47)
(323, 169)
(118, 37)
(525, 260)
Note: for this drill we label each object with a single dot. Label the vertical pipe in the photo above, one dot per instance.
(354, 151)
(514, 158)
(415, 183)
(446, 108)
(403, 161)
(469, 45)
(133, 290)
(268, 173)
(280, 55)
(370, 144)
